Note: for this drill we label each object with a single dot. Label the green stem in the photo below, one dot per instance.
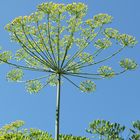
(57, 108)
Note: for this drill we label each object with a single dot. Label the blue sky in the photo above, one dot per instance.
(116, 100)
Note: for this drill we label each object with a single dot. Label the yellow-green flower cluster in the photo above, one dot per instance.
(5, 56)
(81, 43)
(111, 33)
(51, 8)
(128, 64)
(32, 62)
(36, 16)
(90, 22)
(106, 72)
(17, 24)
(13, 126)
(101, 19)
(87, 86)
(127, 40)
(103, 43)
(123, 39)
(86, 57)
(15, 75)
(20, 54)
(33, 86)
(78, 9)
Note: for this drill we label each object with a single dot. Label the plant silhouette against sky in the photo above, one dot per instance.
(57, 41)
(101, 129)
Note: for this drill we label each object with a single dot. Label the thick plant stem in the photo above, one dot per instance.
(57, 108)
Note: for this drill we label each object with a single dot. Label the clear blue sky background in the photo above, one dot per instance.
(117, 100)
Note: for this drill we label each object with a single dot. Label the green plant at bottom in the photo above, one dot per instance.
(14, 131)
(100, 129)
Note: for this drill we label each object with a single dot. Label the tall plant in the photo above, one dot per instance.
(57, 41)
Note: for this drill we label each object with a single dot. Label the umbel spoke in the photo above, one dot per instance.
(68, 45)
(36, 49)
(79, 64)
(58, 41)
(28, 51)
(94, 55)
(49, 58)
(48, 82)
(49, 36)
(45, 55)
(95, 63)
(83, 75)
(71, 82)
(39, 78)
(91, 74)
(26, 68)
(82, 49)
